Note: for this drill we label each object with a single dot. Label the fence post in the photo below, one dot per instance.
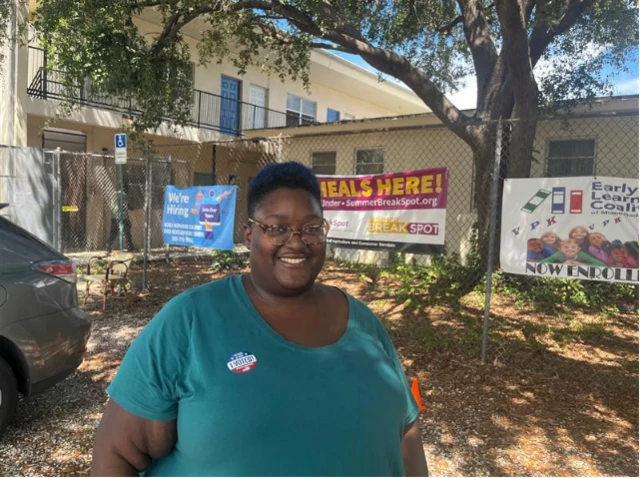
(147, 218)
(58, 201)
(167, 252)
(120, 171)
(279, 154)
(199, 106)
(492, 240)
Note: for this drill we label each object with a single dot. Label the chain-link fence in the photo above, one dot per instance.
(527, 322)
(83, 203)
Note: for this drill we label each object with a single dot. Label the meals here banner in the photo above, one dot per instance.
(582, 228)
(402, 212)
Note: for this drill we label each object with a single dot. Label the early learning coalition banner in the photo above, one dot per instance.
(200, 216)
(583, 228)
(402, 212)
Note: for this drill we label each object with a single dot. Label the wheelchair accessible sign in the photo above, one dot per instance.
(200, 216)
(120, 141)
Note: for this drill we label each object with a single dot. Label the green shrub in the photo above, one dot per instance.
(553, 292)
(227, 261)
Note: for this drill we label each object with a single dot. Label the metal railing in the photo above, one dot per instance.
(209, 111)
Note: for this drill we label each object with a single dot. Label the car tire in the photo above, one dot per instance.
(8, 394)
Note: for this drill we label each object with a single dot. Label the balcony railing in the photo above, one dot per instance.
(208, 111)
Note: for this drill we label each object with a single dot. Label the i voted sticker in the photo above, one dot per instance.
(242, 362)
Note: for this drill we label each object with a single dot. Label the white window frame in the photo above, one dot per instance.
(301, 116)
(335, 161)
(348, 117)
(548, 159)
(355, 160)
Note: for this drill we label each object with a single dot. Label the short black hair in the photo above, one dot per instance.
(290, 175)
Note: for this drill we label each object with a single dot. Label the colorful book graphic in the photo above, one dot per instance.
(558, 200)
(537, 199)
(575, 204)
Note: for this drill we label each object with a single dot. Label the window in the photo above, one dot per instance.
(202, 179)
(324, 163)
(369, 161)
(571, 158)
(348, 117)
(333, 116)
(300, 111)
(66, 140)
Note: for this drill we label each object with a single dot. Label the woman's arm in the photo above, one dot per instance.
(125, 444)
(415, 463)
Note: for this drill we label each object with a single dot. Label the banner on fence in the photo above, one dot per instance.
(402, 212)
(583, 228)
(201, 216)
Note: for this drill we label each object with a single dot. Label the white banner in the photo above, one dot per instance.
(582, 228)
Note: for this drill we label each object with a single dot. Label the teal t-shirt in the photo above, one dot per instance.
(248, 402)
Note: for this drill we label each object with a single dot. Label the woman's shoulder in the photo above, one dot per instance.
(204, 295)
(360, 312)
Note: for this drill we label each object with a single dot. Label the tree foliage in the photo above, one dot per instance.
(6, 15)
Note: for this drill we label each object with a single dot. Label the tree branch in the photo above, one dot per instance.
(515, 48)
(481, 45)
(353, 41)
(543, 34)
(448, 27)
(329, 46)
(343, 37)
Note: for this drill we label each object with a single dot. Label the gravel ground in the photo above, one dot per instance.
(557, 409)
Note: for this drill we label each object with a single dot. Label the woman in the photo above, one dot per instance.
(265, 374)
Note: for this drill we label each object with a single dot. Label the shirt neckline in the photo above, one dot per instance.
(238, 284)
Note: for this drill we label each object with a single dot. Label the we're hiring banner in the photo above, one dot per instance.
(403, 212)
(199, 216)
(583, 228)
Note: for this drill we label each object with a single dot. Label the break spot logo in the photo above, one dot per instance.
(242, 362)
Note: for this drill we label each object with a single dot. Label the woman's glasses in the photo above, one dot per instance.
(311, 235)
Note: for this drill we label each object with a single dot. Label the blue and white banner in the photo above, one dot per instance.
(199, 216)
(582, 228)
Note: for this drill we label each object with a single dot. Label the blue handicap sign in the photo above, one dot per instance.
(121, 140)
(199, 216)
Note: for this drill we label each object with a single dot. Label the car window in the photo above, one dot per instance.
(17, 246)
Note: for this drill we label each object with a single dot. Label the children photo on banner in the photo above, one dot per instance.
(583, 228)
(199, 216)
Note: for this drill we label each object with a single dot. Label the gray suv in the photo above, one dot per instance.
(43, 332)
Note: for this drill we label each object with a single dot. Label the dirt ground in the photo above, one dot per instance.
(558, 398)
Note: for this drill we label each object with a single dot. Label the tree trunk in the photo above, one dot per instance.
(515, 162)
(483, 159)
(521, 148)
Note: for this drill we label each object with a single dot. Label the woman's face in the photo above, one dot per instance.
(291, 268)
(579, 234)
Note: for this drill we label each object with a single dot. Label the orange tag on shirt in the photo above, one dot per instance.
(415, 391)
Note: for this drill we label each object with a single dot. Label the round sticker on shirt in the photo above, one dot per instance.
(242, 362)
